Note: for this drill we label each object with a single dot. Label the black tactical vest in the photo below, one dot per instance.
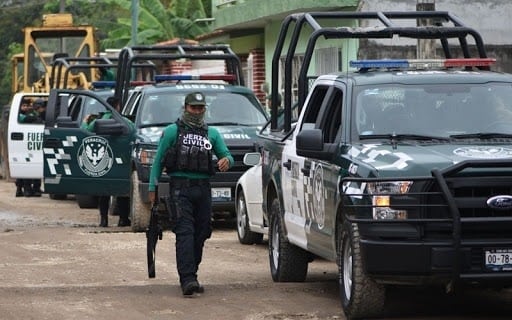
(192, 151)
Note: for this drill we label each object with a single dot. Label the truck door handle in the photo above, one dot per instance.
(17, 136)
(51, 143)
(306, 171)
(288, 164)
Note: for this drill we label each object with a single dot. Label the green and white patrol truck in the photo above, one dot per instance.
(398, 170)
(120, 160)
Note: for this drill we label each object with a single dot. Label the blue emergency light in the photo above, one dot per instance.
(181, 77)
(422, 63)
(103, 84)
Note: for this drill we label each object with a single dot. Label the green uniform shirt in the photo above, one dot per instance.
(107, 115)
(29, 117)
(168, 139)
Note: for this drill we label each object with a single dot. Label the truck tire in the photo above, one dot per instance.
(245, 235)
(361, 297)
(288, 263)
(86, 201)
(140, 212)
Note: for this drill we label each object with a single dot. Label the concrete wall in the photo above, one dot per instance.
(491, 18)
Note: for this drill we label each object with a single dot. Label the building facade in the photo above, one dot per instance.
(251, 28)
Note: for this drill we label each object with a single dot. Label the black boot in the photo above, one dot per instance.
(19, 191)
(124, 222)
(123, 204)
(104, 221)
(36, 188)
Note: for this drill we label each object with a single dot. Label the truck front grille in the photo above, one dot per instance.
(434, 211)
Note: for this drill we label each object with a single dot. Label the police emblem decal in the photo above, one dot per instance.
(95, 156)
(319, 196)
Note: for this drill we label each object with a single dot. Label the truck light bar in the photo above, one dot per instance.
(103, 84)
(178, 77)
(423, 63)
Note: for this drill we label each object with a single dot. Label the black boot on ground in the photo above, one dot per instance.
(124, 222)
(27, 191)
(36, 188)
(104, 221)
(19, 192)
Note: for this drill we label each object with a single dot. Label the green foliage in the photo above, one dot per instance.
(159, 20)
(12, 21)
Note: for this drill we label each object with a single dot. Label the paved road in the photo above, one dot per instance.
(57, 264)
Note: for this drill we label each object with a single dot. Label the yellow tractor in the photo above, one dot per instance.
(56, 38)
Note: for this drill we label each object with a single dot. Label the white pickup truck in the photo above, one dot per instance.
(25, 140)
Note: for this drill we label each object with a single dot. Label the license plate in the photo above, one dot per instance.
(498, 259)
(221, 194)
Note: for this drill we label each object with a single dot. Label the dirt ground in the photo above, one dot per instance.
(55, 263)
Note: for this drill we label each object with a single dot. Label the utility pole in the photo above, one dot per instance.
(135, 20)
(425, 47)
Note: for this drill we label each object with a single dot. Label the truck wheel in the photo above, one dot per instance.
(245, 235)
(140, 212)
(288, 263)
(361, 297)
(86, 201)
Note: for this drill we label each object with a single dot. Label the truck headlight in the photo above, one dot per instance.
(381, 193)
(147, 156)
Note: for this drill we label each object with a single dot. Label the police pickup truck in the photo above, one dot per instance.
(152, 98)
(25, 138)
(398, 170)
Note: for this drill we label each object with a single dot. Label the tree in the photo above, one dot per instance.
(158, 21)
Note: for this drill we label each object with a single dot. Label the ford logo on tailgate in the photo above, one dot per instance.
(503, 202)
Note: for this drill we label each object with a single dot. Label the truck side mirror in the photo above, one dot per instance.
(108, 127)
(310, 144)
(252, 158)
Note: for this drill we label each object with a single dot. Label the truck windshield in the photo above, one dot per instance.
(448, 110)
(223, 108)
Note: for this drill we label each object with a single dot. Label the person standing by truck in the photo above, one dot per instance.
(123, 203)
(185, 149)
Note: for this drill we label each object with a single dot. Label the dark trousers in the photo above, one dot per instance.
(28, 187)
(29, 184)
(123, 204)
(193, 224)
(103, 204)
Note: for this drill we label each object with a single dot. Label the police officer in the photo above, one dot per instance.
(280, 108)
(186, 150)
(123, 203)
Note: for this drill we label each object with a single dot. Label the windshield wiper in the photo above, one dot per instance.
(403, 136)
(226, 123)
(156, 124)
(481, 135)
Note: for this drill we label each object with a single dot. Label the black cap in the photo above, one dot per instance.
(195, 99)
(38, 103)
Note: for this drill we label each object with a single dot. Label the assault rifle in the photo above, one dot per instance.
(155, 228)
(153, 234)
